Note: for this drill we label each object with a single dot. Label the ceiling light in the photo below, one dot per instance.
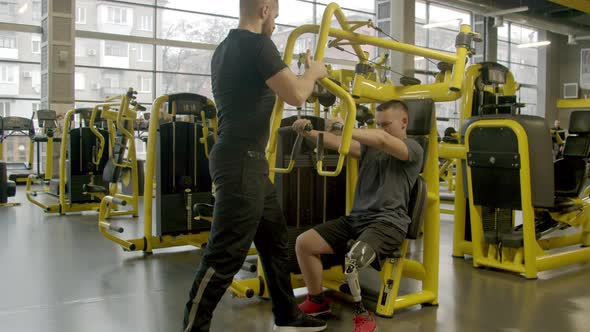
(541, 43)
(419, 58)
(508, 11)
(443, 23)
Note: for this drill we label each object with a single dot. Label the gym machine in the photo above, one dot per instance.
(16, 126)
(366, 87)
(92, 157)
(178, 169)
(506, 165)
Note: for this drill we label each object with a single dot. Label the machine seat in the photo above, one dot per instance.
(95, 189)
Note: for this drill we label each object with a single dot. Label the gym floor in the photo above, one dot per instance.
(59, 274)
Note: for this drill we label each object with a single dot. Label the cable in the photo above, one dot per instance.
(363, 58)
(378, 29)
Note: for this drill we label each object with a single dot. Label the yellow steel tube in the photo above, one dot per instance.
(98, 135)
(49, 159)
(373, 91)
(432, 217)
(149, 171)
(409, 300)
(452, 151)
(316, 108)
(413, 269)
(560, 242)
(62, 159)
(324, 30)
(459, 67)
(31, 153)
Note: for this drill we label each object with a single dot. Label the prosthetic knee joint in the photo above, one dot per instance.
(359, 257)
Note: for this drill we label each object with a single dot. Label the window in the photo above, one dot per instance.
(7, 8)
(36, 106)
(116, 49)
(158, 65)
(7, 42)
(111, 82)
(144, 84)
(80, 81)
(36, 11)
(117, 15)
(523, 62)
(36, 45)
(6, 74)
(441, 37)
(4, 108)
(144, 53)
(146, 23)
(80, 15)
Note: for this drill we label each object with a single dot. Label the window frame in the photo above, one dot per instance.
(121, 15)
(80, 13)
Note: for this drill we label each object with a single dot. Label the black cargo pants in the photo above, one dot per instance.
(246, 210)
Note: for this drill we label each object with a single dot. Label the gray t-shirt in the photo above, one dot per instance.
(385, 183)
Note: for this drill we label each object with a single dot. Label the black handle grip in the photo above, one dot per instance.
(119, 201)
(320, 147)
(249, 267)
(116, 229)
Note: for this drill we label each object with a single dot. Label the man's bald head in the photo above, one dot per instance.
(251, 8)
(259, 15)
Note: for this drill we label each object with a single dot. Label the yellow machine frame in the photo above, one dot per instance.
(368, 91)
(63, 206)
(30, 158)
(149, 242)
(533, 256)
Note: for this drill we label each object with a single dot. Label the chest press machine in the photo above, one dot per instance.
(365, 88)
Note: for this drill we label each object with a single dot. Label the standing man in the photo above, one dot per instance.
(247, 72)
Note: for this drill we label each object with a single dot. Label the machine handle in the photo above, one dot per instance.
(119, 201)
(320, 147)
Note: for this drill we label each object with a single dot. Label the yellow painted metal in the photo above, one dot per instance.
(31, 154)
(581, 5)
(49, 159)
(563, 259)
(316, 108)
(528, 213)
(450, 88)
(149, 242)
(532, 257)
(452, 151)
(573, 103)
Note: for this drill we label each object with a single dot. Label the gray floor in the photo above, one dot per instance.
(60, 274)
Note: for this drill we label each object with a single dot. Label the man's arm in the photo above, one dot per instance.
(331, 141)
(381, 140)
(295, 90)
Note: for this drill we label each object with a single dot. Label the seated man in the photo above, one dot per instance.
(389, 166)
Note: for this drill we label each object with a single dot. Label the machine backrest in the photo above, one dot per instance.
(417, 208)
(577, 144)
(570, 172)
(495, 161)
(420, 123)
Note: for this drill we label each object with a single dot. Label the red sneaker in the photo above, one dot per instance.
(314, 309)
(364, 323)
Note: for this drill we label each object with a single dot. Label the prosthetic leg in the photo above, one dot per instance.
(359, 256)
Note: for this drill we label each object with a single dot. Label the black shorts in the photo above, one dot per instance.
(383, 236)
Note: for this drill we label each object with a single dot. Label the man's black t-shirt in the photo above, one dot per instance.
(240, 67)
